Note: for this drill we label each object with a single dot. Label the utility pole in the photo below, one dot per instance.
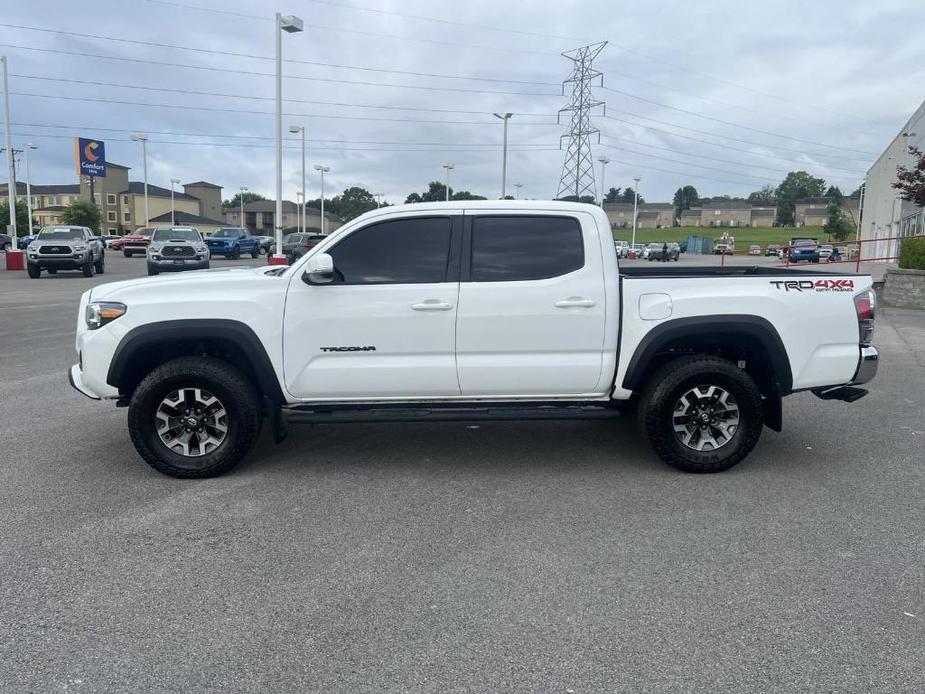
(518, 186)
(25, 150)
(448, 167)
(604, 162)
(378, 199)
(635, 207)
(173, 214)
(241, 200)
(323, 170)
(505, 117)
(578, 169)
(10, 167)
(143, 139)
(300, 129)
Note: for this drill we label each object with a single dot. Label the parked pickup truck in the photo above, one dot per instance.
(469, 311)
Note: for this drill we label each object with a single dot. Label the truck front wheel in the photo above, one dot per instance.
(194, 417)
(701, 413)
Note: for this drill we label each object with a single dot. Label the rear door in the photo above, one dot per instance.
(385, 328)
(532, 305)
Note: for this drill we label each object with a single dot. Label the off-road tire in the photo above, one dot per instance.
(88, 269)
(669, 383)
(236, 253)
(8, 246)
(126, 254)
(255, 251)
(100, 265)
(152, 270)
(34, 271)
(237, 394)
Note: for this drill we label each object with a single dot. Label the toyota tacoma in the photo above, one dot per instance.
(470, 311)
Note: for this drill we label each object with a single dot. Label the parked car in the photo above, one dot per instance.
(174, 249)
(231, 242)
(111, 239)
(722, 249)
(204, 360)
(804, 251)
(634, 252)
(621, 247)
(773, 249)
(754, 249)
(136, 243)
(117, 243)
(649, 249)
(6, 242)
(65, 248)
(263, 243)
(673, 252)
(296, 245)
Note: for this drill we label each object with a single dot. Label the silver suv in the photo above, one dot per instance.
(177, 248)
(65, 248)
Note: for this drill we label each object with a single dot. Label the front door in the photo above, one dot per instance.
(532, 306)
(385, 328)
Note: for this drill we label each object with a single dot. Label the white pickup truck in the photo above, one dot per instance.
(469, 311)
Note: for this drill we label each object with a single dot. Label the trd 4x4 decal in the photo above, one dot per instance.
(839, 285)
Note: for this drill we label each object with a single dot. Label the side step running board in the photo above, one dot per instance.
(338, 415)
(845, 393)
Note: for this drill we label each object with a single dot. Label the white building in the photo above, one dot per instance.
(884, 215)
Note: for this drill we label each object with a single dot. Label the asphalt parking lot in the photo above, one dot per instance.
(527, 557)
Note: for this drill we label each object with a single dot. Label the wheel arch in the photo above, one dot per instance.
(727, 335)
(147, 346)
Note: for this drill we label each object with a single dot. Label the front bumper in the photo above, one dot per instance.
(74, 261)
(177, 264)
(867, 366)
(75, 378)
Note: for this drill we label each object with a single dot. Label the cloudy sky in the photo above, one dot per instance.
(725, 96)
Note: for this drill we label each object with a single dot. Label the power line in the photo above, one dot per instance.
(683, 163)
(735, 125)
(740, 184)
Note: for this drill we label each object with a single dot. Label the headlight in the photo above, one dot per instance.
(79, 249)
(154, 247)
(99, 313)
(201, 247)
(33, 246)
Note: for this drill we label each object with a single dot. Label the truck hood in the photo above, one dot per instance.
(177, 285)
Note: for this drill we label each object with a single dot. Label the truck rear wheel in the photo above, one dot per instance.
(701, 413)
(194, 417)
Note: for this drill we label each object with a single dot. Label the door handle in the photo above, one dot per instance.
(432, 305)
(575, 302)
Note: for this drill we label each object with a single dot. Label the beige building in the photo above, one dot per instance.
(259, 217)
(206, 226)
(121, 201)
(814, 212)
(726, 213)
(652, 215)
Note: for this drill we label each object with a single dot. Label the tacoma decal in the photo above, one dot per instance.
(369, 348)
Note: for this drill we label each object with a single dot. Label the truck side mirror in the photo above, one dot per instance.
(319, 269)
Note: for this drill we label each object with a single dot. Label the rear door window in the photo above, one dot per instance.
(519, 248)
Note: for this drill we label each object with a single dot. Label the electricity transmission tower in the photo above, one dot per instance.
(578, 170)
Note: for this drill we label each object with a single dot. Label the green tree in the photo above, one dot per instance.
(837, 226)
(796, 185)
(856, 193)
(353, 202)
(613, 195)
(575, 198)
(684, 199)
(766, 196)
(629, 195)
(465, 195)
(235, 200)
(834, 192)
(414, 197)
(910, 182)
(82, 213)
(22, 218)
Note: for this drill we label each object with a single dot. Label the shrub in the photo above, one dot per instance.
(912, 253)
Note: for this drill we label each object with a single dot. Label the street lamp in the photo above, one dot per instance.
(291, 25)
(635, 207)
(241, 200)
(296, 129)
(378, 199)
(448, 168)
(323, 170)
(604, 162)
(505, 117)
(25, 151)
(299, 205)
(518, 186)
(173, 215)
(143, 139)
(10, 166)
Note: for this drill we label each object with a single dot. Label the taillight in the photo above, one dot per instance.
(865, 304)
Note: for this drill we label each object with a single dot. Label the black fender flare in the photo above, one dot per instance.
(753, 328)
(172, 331)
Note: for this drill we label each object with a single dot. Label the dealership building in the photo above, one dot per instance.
(884, 217)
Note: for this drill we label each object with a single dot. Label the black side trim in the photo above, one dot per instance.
(752, 327)
(197, 329)
(448, 412)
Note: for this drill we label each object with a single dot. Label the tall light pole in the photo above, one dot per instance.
(241, 200)
(378, 199)
(299, 206)
(604, 162)
(25, 151)
(173, 214)
(448, 168)
(518, 186)
(635, 207)
(323, 170)
(505, 117)
(291, 25)
(11, 172)
(143, 139)
(294, 129)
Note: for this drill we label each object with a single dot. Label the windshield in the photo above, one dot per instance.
(175, 235)
(292, 238)
(229, 231)
(655, 246)
(61, 234)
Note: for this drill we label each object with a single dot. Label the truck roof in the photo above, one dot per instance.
(456, 205)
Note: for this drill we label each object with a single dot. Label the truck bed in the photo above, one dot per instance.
(684, 271)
